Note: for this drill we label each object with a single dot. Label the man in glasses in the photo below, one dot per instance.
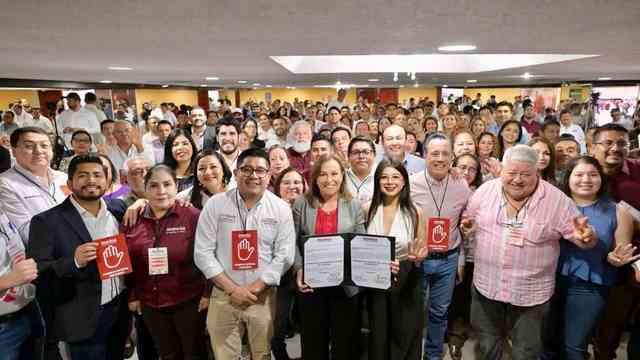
(611, 149)
(244, 243)
(518, 220)
(359, 175)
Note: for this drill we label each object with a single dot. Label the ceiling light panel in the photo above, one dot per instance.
(427, 63)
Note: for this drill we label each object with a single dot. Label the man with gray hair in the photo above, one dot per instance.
(300, 139)
(128, 145)
(518, 220)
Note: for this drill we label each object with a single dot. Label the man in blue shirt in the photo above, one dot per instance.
(393, 140)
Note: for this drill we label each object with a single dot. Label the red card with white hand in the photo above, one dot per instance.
(438, 234)
(112, 257)
(244, 249)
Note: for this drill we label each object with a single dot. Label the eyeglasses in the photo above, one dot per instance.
(608, 144)
(31, 146)
(358, 153)
(248, 171)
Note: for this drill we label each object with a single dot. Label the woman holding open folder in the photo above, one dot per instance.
(329, 316)
(395, 318)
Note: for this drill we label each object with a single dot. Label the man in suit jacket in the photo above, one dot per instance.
(89, 314)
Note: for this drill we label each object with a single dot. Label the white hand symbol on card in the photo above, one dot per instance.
(245, 248)
(112, 257)
(438, 233)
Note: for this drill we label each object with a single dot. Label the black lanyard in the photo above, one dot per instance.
(444, 194)
(39, 186)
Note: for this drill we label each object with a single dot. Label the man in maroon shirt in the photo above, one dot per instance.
(300, 139)
(529, 119)
(611, 147)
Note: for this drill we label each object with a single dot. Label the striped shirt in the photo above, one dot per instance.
(519, 275)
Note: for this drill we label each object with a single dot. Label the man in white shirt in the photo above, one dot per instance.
(359, 175)
(128, 144)
(163, 130)
(568, 127)
(30, 186)
(167, 114)
(90, 100)
(90, 314)
(281, 129)
(16, 292)
(258, 226)
(40, 121)
(339, 103)
(618, 118)
(22, 117)
(76, 118)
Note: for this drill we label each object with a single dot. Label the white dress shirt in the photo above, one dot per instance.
(99, 113)
(119, 157)
(101, 226)
(23, 118)
(81, 119)
(42, 122)
(361, 189)
(270, 216)
(24, 195)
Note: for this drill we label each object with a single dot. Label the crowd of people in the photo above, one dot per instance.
(537, 216)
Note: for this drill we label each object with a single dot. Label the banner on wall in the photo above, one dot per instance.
(542, 98)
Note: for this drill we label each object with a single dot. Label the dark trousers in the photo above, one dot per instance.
(493, 321)
(329, 317)
(459, 328)
(177, 331)
(284, 300)
(145, 348)
(396, 317)
(623, 298)
(108, 341)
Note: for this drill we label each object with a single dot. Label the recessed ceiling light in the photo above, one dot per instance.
(120, 68)
(415, 85)
(212, 78)
(527, 75)
(203, 85)
(401, 86)
(268, 86)
(165, 86)
(256, 84)
(445, 85)
(604, 78)
(373, 80)
(106, 81)
(242, 81)
(457, 48)
(472, 81)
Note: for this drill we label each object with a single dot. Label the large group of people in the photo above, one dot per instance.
(516, 228)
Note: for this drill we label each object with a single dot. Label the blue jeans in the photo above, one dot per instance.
(13, 333)
(438, 281)
(575, 309)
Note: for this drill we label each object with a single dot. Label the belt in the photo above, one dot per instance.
(14, 315)
(441, 254)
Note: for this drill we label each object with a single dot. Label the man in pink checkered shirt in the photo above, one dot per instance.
(518, 220)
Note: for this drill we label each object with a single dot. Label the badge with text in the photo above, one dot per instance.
(438, 234)
(158, 261)
(112, 257)
(515, 235)
(244, 248)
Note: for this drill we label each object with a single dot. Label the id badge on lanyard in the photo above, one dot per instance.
(438, 234)
(515, 234)
(244, 249)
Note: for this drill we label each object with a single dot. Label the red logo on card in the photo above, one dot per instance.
(244, 248)
(438, 234)
(112, 257)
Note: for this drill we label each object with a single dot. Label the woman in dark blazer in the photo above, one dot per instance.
(329, 316)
